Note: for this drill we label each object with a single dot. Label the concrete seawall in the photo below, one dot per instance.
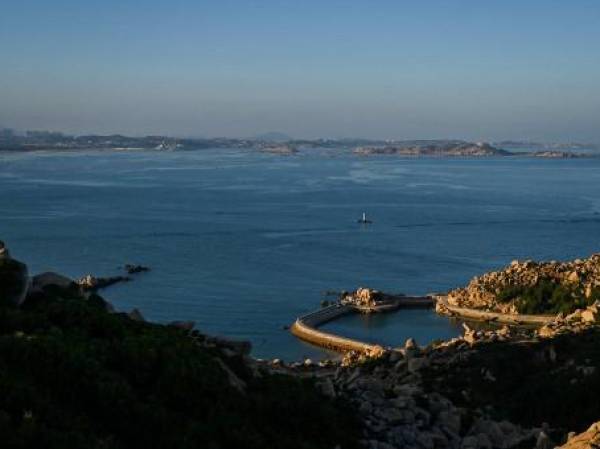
(305, 327)
(481, 315)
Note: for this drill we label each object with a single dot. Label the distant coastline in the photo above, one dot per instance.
(11, 141)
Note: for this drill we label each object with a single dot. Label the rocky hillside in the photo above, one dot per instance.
(534, 287)
(74, 374)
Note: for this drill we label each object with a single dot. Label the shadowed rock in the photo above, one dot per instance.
(14, 279)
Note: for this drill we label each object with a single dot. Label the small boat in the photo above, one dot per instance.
(364, 220)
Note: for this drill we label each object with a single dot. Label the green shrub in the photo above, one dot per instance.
(510, 293)
(547, 297)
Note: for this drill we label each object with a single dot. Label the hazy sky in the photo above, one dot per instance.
(391, 69)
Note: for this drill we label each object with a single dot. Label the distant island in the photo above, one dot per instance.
(554, 146)
(436, 148)
(444, 148)
(281, 144)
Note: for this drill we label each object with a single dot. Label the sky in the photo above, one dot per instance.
(480, 70)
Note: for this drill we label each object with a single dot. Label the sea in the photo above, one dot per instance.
(242, 242)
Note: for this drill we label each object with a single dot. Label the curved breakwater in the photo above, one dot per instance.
(306, 326)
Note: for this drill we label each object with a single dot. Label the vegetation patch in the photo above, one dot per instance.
(73, 375)
(548, 297)
(554, 381)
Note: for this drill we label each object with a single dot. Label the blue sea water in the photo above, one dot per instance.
(243, 242)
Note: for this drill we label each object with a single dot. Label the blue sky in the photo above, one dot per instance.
(392, 69)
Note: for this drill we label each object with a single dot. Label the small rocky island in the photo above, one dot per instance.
(435, 148)
(65, 351)
(456, 148)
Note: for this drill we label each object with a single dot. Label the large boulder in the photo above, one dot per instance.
(14, 278)
(44, 280)
(4, 253)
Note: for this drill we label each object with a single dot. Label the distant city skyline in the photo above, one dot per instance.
(521, 70)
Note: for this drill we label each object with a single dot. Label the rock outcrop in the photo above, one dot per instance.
(41, 282)
(92, 283)
(577, 321)
(499, 290)
(398, 411)
(590, 439)
(4, 253)
(364, 297)
(134, 269)
(14, 278)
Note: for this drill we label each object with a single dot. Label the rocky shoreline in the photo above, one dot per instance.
(504, 387)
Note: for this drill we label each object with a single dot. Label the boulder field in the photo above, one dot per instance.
(533, 287)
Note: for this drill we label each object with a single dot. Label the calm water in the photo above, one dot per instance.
(242, 243)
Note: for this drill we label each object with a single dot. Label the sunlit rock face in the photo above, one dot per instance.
(580, 277)
(586, 440)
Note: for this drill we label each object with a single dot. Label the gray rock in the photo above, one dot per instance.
(490, 428)
(41, 281)
(183, 325)
(425, 440)
(410, 344)
(136, 315)
(469, 442)
(402, 402)
(544, 442)
(401, 366)
(394, 356)
(417, 363)
(4, 253)
(396, 416)
(326, 387)
(450, 421)
(365, 408)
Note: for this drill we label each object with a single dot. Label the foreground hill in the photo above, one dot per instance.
(75, 375)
